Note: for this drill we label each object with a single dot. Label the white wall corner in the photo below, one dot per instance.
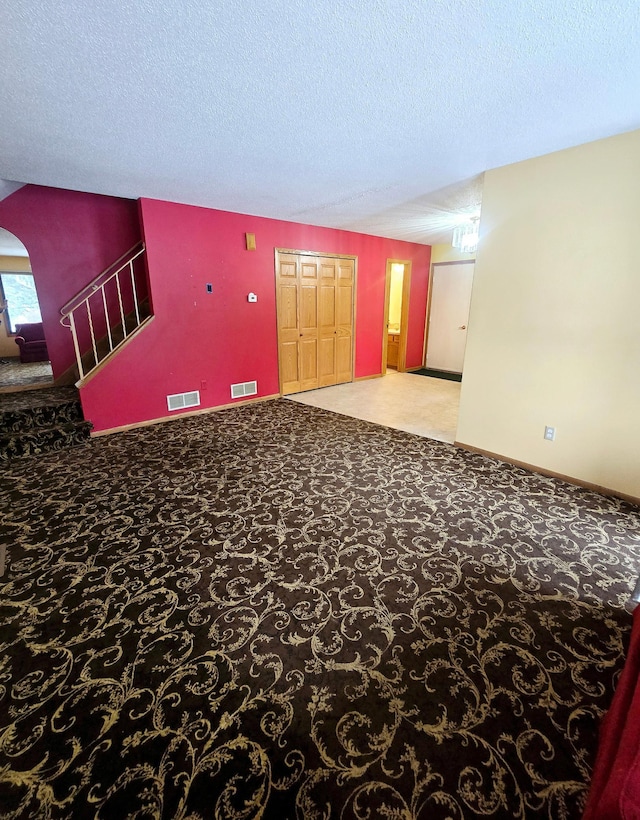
(7, 187)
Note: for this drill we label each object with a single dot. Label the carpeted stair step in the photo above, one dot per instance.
(39, 408)
(38, 440)
(36, 421)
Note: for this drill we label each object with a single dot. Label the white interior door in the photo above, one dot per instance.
(449, 315)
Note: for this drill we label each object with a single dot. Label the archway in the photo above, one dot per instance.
(21, 364)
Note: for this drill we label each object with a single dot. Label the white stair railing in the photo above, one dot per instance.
(104, 314)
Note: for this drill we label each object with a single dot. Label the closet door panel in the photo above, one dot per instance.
(327, 362)
(308, 363)
(344, 359)
(288, 267)
(308, 308)
(327, 311)
(289, 372)
(327, 322)
(288, 307)
(344, 320)
(308, 290)
(288, 323)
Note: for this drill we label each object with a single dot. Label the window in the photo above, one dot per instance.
(19, 298)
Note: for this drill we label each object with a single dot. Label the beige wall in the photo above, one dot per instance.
(554, 331)
(446, 253)
(15, 263)
(11, 263)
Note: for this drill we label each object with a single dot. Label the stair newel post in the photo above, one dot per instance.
(76, 346)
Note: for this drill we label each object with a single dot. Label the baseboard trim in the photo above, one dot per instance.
(174, 417)
(365, 378)
(587, 485)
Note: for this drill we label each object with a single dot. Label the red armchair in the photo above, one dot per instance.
(33, 346)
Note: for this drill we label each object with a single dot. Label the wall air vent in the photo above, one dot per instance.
(242, 389)
(181, 400)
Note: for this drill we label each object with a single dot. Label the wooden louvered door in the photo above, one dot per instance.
(315, 296)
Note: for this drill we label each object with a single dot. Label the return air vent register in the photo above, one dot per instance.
(181, 400)
(244, 389)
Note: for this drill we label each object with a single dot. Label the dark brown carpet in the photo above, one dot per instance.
(278, 612)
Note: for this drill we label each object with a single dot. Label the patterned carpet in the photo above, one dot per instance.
(13, 373)
(43, 401)
(278, 612)
(37, 421)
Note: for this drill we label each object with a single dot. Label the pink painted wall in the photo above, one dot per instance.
(71, 237)
(206, 342)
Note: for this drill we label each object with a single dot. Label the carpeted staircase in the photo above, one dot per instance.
(38, 421)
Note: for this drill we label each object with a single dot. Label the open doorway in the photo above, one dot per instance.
(396, 313)
(24, 359)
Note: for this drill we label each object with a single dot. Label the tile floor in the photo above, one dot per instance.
(417, 404)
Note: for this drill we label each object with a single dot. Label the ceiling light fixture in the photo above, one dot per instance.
(465, 235)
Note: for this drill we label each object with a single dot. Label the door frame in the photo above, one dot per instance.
(429, 292)
(277, 252)
(404, 314)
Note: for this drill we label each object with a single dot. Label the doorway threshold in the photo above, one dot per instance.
(438, 374)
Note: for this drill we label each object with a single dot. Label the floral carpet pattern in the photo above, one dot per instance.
(35, 408)
(278, 612)
(36, 421)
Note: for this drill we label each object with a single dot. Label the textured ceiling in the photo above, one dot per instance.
(377, 116)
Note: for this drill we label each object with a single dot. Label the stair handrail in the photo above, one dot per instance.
(84, 299)
(101, 279)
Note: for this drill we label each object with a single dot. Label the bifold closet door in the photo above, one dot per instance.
(315, 320)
